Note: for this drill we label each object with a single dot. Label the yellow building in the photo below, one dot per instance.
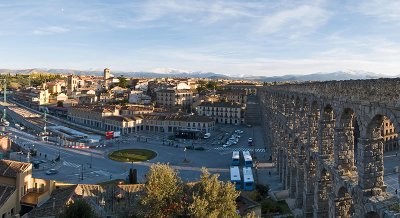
(19, 191)
(390, 136)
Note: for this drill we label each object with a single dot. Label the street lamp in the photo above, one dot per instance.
(184, 150)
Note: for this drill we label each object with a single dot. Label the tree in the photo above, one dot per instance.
(163, 195)
(123, 82)
(78, 209)
(213, 198)
(60, 104)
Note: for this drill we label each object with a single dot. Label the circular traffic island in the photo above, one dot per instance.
(132, 155)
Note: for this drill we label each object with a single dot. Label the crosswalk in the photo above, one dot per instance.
(259, 150)
(69, 164)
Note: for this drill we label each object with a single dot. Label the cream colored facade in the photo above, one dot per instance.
(390, 136)
(27, 191)
(174, 98)
(222, 112)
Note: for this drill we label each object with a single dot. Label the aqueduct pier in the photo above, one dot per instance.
(327, 145)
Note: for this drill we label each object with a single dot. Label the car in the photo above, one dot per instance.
(51, 172)
(226, 145)
(207, 135)
(250, 141)
(190, 147)
(43, 161)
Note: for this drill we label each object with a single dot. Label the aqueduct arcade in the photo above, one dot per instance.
(326, 142)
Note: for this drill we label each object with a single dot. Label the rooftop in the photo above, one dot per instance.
(220, 104)
(5, 192)
(10, 168)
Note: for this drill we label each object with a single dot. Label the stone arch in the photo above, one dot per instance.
(326, 132)
(370, 166)
(345, 141)
(322, 190)
(343, 204)
(309, 188)
(313, 124)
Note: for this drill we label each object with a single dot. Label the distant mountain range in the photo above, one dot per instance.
(320, 76)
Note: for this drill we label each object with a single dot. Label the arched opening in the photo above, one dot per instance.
(390, 150)
(300, 176)
(323, 189)
(309, 188)
(343, 204)
(346, 134)
(390, 136)
(370, 165)
(326, 134)
(313, 121)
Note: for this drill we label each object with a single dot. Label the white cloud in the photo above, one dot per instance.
(297, 21)
(385, 10)
(50, 30)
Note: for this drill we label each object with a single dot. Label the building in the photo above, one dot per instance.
(74, 83)
(32, 97)
(5, 145)
(137, 97)
(133, 110)
(53, 87)
(390, 137)
(19, 191)
(91, 115)
(234, 95)
(249, 88)
(222, 112)
(174, 99)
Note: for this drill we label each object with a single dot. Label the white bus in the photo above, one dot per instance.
(248, 161)
(235, 158)
(235, 177)
(248, 181)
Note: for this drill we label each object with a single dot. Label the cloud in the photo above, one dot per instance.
(296, 21)
(50, 30)
(385, 10)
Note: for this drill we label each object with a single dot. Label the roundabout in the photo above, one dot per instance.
(132, 155)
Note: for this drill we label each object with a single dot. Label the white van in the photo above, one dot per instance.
(207, 135)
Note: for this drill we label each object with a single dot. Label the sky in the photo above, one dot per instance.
(249, 37)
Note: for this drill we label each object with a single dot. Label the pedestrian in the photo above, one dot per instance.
(269, 172)
(396, 191)
(396, 153)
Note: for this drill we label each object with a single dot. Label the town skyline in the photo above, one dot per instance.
(227, 37)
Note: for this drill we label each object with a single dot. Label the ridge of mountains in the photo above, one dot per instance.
(319, 76)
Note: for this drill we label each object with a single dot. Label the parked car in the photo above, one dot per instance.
(51, 172)
(207, 135)
(250, 141)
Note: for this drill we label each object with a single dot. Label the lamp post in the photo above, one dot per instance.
(184, 150)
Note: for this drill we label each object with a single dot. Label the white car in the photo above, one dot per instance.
(226, 145)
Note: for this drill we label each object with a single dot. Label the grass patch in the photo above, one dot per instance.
(132, 155)
(271, 208)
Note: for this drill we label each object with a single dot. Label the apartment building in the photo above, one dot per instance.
(234, 95)
(91, 115)
(390, 137)
(222, 112)
(174, 98)
(32, 97)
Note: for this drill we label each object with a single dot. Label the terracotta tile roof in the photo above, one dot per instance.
(56, 203)
(10, 168)
(5, 192)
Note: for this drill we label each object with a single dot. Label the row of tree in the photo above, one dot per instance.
(167, 196)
